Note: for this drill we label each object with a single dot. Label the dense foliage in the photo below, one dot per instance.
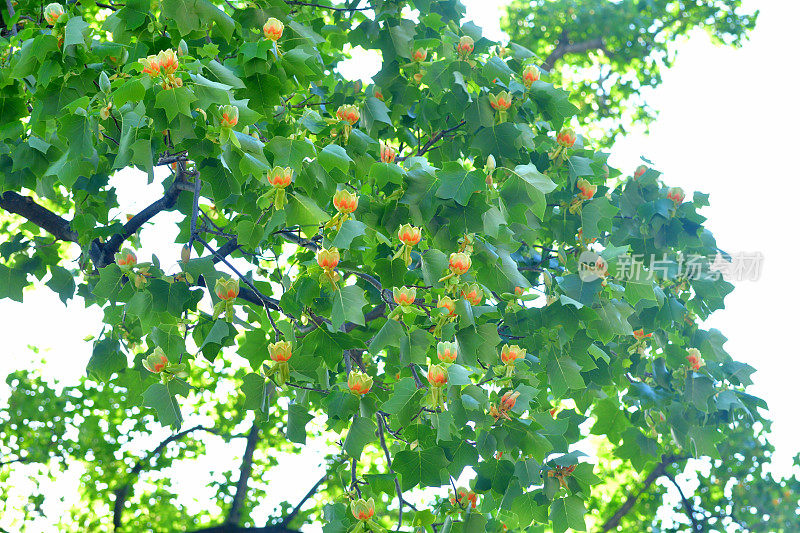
(608, 52)
(399, 271)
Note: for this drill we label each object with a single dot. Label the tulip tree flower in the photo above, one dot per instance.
(437, 377)
(227, 289)
(273, 29)
(52, 12)
(695, 361)
(125, 259)
(465, 46)
(530, 74)
(676, 195)
(280, 352)
(158, 363)
(359, 383)
(328, 259)
(280, 178)
(345, 202)
(409, 237)
(447, 352)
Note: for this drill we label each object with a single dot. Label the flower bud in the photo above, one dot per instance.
(509, 354)
(230, 116)
(695, 361)
(273, 29)
(125, 258)
(280, 177)
(447, 303)
(437, 375)
(530, 74)
(168, 61)
(518, 291)
(404, 296)
(359, 383)
(362, 509)
(348, 113)
(150, 65)
(227, 288)
(465, 46)
(156, 362)
(459, 263)
(676, 195)
(419, 55)
(586, 188)
(501, 101)
(52, 12)
(472, 293)
(508, 400)
(387, 153)
(447, 352)
(328, 258)
(566, 137)
(186, 254)
(409, 235)
(490, 164)
(502, 51)
(280, 351)
(345, 201)
(183, 48)
(640, 170)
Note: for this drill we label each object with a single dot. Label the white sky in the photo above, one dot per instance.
(727, 127)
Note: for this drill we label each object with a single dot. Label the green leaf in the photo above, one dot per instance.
(563, 374)
(106, 360)
(334, 156)
(75, 31)
(349, 231)
(304, 212)
(375, 111)
(175, 101)
(361, 433)
(12, 281)
(458, 184)
(256, 393)
(404, 402)
(296, 424)
(420, 467)
(347, 304)
(567, 513)
(161, 398)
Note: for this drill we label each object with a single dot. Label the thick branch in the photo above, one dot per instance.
(687, 505)
(313, 490)
(121, 493)
(108, 249)
(658, 471)
(27, 208)
(422, 150)
(565, 47)
(235, 512)
(333, 8)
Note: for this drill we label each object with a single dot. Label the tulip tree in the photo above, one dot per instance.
(400, 262)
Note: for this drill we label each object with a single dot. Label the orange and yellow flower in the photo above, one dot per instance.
(530, 74)
(125, 258)
(447, 352)
(387, 153)
(156, 362)
(273, 29)
(404, 296)
(359, 383)
(419, 55)
(328, 258)
(695, 361)
(586, 188)
(509, 354)
(501, 101)
(676, 195)
(280, 351)
(459, 263)
(409, 235)
(280, 177)
(230, 116)
(226, 288)
(362, 509)
(345, 201)
(437, 375)
(348, 113)
(465, 46)
(566, 137)
(472, 293)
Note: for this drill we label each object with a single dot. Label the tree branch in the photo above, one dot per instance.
(658, 471)
(422, 150)
(333, 8)
(235, 512)
(565, 47)
(121, 493)
(687, 505)
(28, 209)
(309, 494)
